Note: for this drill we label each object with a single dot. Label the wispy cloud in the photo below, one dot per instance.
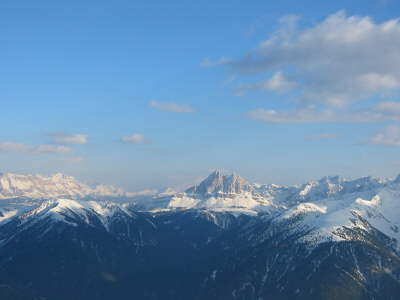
(207, 63)
(39, 149)
(76, 159)
(321, 136)
(388, 107)
(14, 147)
(136, 138)
(278, 82)
(384, 2)
(382, 112)
(51, 149)
(64, 138)
(171, 107)
(390, 136)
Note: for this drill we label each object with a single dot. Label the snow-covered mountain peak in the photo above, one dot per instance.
(335, 179)
(217, 183)
(61, 177)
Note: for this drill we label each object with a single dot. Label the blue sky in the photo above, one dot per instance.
(145, 94)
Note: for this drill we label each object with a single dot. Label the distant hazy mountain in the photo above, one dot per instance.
(45, 187)
(224, 238)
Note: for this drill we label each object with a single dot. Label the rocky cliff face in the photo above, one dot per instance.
(217, 182)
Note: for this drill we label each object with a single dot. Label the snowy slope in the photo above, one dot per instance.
(73, 212)
(323, 207)
(326, 217)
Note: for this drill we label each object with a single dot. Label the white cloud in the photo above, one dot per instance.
(63, 138)
(277, 82)
(389, 107)
(171, 107)
(136, 138)
(390, 136)
(40, 149)
(336, 62)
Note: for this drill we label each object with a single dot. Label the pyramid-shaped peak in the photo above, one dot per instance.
(60, 176)
(216, 173)
(218, 182)
(335, 179)
(331, 177)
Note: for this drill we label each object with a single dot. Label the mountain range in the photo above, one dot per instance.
(224, 238)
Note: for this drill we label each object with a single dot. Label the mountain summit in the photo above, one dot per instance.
(217, 182)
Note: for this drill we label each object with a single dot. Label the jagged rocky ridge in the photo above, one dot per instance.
(222, 239)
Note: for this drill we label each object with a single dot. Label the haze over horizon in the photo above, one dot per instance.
(145, 96)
